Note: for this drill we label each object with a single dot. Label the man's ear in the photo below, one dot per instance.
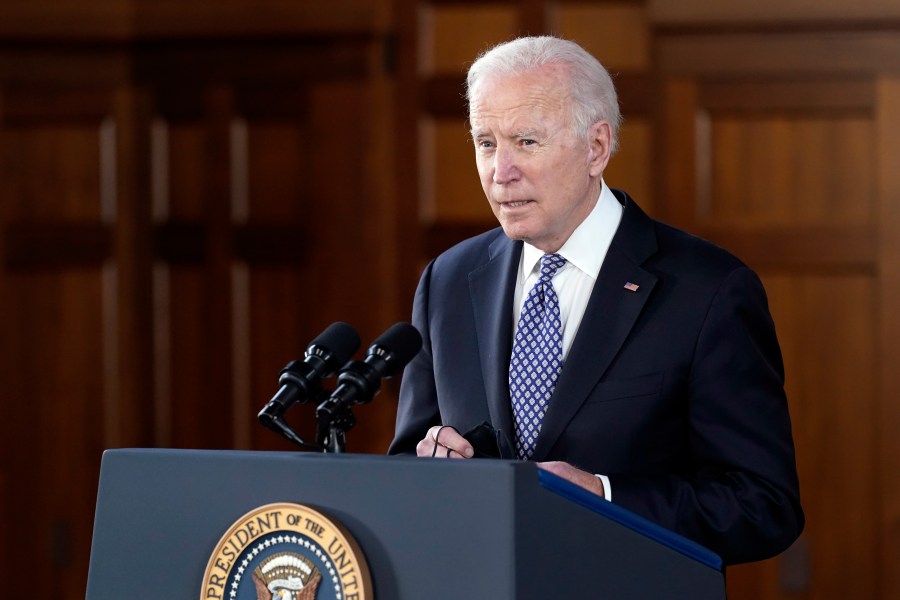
(600, 147)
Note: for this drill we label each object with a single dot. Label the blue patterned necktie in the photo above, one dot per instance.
(536, 357)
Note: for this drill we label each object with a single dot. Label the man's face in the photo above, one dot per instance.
(541, 180)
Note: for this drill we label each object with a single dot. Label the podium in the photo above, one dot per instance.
(428, 528)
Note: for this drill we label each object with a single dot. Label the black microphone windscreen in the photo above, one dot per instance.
(403, 341)
(341, 339)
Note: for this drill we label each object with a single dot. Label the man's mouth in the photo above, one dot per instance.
(515, 203)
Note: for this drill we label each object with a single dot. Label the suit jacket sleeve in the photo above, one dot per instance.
(737, 493)
(418, 408)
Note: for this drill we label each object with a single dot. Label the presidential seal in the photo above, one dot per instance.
(286, 551)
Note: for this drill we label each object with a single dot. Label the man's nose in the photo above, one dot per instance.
(505, 168)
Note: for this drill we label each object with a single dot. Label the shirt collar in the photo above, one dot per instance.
(586, 248)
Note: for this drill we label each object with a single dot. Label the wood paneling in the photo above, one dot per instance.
(131, 19)
(177, 220)
(799, 248)
(55, 245)
(53, 390)
(888, 332)
(258, 17)
(826, 324)
(785, 55)
(773, 147)
(450, 189)
(617, 33)
(631, 169)
(450, 37)
(809, 95)
(292, 224)
(771, 11)
(54, 338)
(789, 169)
(61, 162)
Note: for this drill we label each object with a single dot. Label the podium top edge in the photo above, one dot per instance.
(630, 520)
(490, 464)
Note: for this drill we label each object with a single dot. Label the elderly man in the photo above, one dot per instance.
(622, 354)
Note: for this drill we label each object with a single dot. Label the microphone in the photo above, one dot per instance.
(301, 381)
(358, 382)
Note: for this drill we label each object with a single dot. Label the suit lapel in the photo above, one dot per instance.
(608, 319)
(491, 287)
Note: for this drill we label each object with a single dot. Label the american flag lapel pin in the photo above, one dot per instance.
(631, 287)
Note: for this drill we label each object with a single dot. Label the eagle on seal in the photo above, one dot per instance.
(286, 576)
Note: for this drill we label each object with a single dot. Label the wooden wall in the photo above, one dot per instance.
(180, 213)
(191, 191)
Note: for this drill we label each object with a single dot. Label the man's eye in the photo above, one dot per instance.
(528, 142)
(485, 144)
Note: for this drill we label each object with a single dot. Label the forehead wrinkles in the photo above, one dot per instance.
(526, 100)
(518, 112)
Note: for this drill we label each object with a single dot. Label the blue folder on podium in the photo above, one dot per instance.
(427, 528)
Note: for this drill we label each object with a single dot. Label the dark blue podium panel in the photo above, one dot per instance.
(429, 528)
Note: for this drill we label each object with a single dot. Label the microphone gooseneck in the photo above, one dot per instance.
(300, 381)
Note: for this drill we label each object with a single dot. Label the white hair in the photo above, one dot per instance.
(592, 91)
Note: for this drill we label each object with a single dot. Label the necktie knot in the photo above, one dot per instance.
(550, 264)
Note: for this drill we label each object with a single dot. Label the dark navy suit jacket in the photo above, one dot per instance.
(675, 390)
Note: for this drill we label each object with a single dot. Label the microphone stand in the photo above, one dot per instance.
(358, 382)
(280, 426)
(272, 417)
(333, 421)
